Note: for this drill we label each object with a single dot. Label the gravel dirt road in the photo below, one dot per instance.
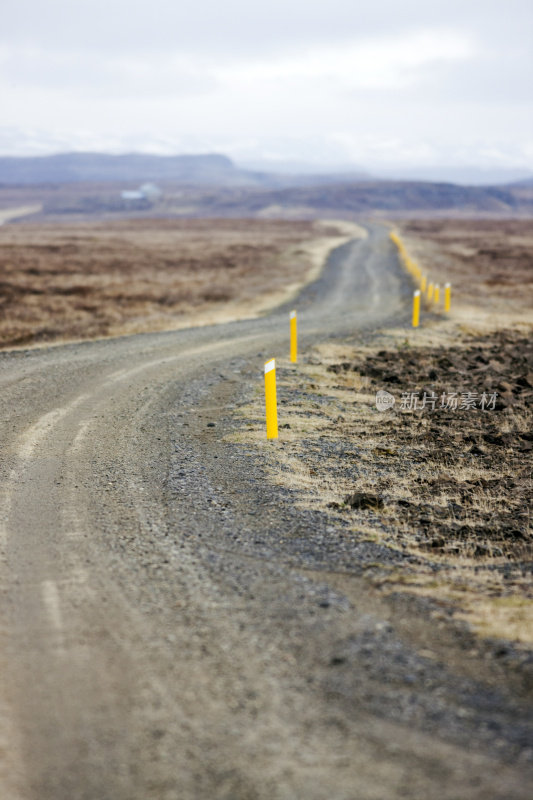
(173, 628)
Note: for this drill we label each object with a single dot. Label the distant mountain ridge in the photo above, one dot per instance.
(375, 196)
(101, 167)
(212, 185)
(205, 169)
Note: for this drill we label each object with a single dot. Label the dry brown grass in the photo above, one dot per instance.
(488, 262)
(456, 514)
(92, 279)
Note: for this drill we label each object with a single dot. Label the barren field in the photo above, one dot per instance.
(86, 280)
(488, 262)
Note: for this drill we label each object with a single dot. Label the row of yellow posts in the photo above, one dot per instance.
(431, 292)
(271, 402)
(428, 289)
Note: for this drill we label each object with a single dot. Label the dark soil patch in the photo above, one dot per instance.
(465, 414)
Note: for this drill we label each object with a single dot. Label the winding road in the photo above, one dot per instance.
(162, 637)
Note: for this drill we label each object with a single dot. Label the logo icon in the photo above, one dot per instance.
(384, 400)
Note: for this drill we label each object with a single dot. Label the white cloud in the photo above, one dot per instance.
(393, 81)
(390, 62)
(90, 73)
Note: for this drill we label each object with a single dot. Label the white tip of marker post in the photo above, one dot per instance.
(417, 293)
(270, 365)
(293, 314)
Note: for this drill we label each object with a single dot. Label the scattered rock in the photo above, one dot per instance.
(437, 541)
(364, 500)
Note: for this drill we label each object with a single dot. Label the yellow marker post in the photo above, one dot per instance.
(271, 402)
(423, 283)
(294, 337)
(447, 296)
(430, 291)
(416, 308)
(436, 293)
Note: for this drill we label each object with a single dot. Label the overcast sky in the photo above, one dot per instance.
(382, 84)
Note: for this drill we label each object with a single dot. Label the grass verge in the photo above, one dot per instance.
(449, 485)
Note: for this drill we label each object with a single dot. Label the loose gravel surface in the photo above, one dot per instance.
(174, 626)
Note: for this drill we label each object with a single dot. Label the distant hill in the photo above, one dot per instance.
(133, 167)
(212, 185)
(210, 169)
(526, 182)
(372, 196)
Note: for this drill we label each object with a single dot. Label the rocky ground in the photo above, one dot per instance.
(465, 410)
(444, 474)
